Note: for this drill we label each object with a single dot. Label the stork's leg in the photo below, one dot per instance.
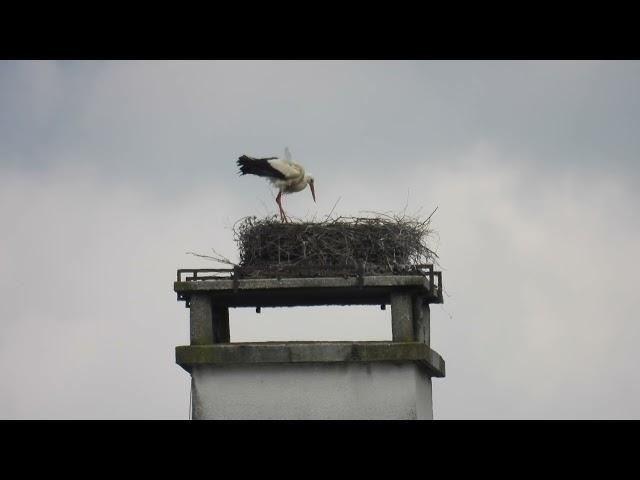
(279, 202)
(283, 215)
(279, 208)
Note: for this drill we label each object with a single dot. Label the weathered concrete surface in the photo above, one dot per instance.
(312, 391)
(209, 323)
(421, 320)
(221, 332)
(201, 320)
(401, 317)
(368, 290)
(310, 352)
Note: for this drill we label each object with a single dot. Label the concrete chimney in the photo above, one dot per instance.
(309, 380)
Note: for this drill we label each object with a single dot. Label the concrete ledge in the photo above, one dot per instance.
(320, 282)
(273, 292)
(310, 352)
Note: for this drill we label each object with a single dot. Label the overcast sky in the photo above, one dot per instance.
(111, 171)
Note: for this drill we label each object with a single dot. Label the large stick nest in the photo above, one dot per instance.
(384, 244)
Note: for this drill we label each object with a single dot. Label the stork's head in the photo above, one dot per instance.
(310, 182)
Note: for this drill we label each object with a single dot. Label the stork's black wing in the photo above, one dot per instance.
(258, 166)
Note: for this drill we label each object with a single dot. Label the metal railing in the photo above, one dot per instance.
(197, 274)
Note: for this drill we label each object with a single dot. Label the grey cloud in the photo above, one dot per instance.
(182, 122)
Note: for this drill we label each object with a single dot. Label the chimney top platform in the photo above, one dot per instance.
(234, 291)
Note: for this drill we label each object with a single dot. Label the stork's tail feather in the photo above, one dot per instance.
(258, 166)
(246, 164)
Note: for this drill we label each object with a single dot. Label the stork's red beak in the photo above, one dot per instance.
(313, 191)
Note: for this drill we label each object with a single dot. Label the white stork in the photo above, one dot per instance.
(287, 176)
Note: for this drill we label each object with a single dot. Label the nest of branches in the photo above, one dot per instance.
(384, 244)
